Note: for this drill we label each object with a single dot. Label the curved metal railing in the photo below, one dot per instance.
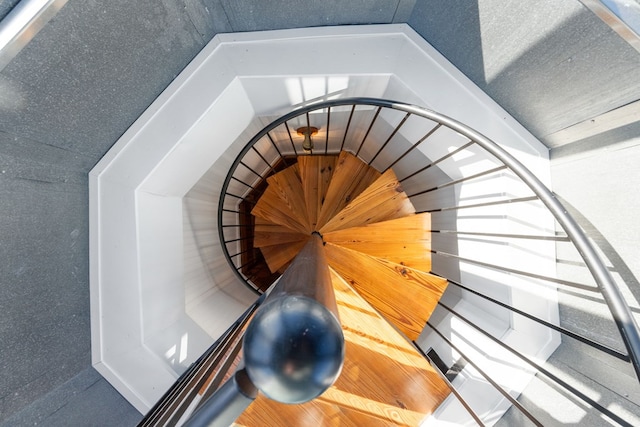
(202, 378)
(384, 134)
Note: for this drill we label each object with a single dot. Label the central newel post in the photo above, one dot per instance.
(293, 349)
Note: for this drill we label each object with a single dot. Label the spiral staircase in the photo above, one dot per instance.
(58, 123)
(373, 254)
(376, 251)
(409, 204)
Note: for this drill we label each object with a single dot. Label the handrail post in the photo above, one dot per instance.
(293, 348)
(296, 332)
(308, 275)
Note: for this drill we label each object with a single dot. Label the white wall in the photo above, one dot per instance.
(143, 292)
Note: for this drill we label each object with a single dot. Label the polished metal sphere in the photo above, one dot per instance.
(293, 349)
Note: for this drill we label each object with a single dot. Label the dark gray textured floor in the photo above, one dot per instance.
(64, 100)
(549, 63)
(6, 6)
(253, 15)
(68, 96)
(85, 400)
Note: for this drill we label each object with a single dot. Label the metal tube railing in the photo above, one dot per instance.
(484, 204)
(621, 313)
(573, 390)
(373, 121)
(604, 281)
(487, 377)
(503, 235)
(326, 140)
(515, 271)
(439, 160)
(395, 131)
(167, 407)
(293, 145)
(414, 146)
(281, 359)
(453, 390)
(459, 180)
(605, 349)
(346, 129)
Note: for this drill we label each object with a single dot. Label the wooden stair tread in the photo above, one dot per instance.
(288, 185)
(267, 233)
(351, 177)
(282, 202)
(405, 241)
(384, 381)
(383, 200)
(264, 225)
(404, 296)
(278, 256)
(317, 413)
(315, 175)
(263, 240)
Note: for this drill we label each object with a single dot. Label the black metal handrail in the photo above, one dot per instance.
(573, 390)
(278, 135)
(602, 347)
(173, 404)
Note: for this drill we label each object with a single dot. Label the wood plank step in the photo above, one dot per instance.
(282, 202)
(384, 381)
(315, 174)
(263, 412)
(383, 200)
(350, 178)
(404, 296)
(267, 233)
(277, 256)
(405, 241)
(288, 185)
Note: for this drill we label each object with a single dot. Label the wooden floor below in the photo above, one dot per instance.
(384, 382)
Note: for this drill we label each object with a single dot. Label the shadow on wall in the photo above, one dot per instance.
(617, 265)
(623, 135)
(544, 65)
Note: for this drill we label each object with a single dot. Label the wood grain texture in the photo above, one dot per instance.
(383, 200)
(272, 209)
(315, 175)
(350, 178)
(282, 202)
(267, 233)
(404, 296)
(384, 381)
(288, 185)
(405, 241)
(277, 256)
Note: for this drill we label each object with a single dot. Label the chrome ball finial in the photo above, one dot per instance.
(293, 349)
